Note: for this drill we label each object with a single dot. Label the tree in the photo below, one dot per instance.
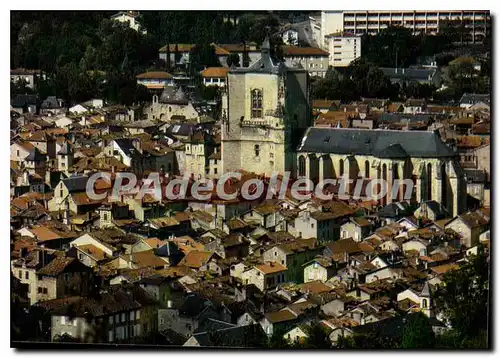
(317, 337)
(277, 340)
(177, 55)
(419, 90)
(202, 55)
(417, 332)
(233, 60)
(168, 56)
(246, 56)
(463, 299)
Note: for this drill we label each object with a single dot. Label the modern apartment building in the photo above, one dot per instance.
(343, 48)
(372, 21)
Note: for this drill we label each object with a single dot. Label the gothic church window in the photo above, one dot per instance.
(256, 97)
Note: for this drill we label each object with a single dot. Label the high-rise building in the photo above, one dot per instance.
(372, 21)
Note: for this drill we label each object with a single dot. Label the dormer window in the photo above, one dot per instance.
(256, 98)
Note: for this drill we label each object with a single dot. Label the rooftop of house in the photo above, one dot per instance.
(195, 259)
(270, 268)
(154, 75)
(215, 72)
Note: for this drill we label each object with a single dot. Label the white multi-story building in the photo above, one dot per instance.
(343, 48)
(130, 17)
(372, 21)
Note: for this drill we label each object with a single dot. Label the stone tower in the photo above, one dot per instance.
(265, 111)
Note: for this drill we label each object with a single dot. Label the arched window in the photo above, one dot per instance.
(341, 167)
(367, 169)
(256, 103)
(302, 166)
(424, 303)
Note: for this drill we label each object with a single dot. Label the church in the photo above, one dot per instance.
(420, 156)
(267, 128)
(265, 112)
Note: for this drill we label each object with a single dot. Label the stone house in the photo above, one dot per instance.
(469, 227)
(186, 317)
(431, 210)
(357, 228)
(320, 268)
(120, 314)
(265, 276)
(63, 276)
(25, 268)
(266, 215)
(317, 224)
(198, 148)
(293, 256)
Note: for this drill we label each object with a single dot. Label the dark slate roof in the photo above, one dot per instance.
(265, 64)
(395, 210)
(35, 155)
(186, 129)
(126, 145)
(76, 183)
(24, 99)
(421, 144)
(392, 151)
(173, 95)
(50, 103)
(170, 249)
(409, 73)
(473, 98)
(193, 306)
(211, 324)
(242, 336)
(437, 208)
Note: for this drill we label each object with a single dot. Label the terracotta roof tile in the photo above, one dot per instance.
(154, 75)
(280, 316)
(303, 51)
(93, 251)
(217, 72)
(56, 266)
(271, 267)
(195, 259)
